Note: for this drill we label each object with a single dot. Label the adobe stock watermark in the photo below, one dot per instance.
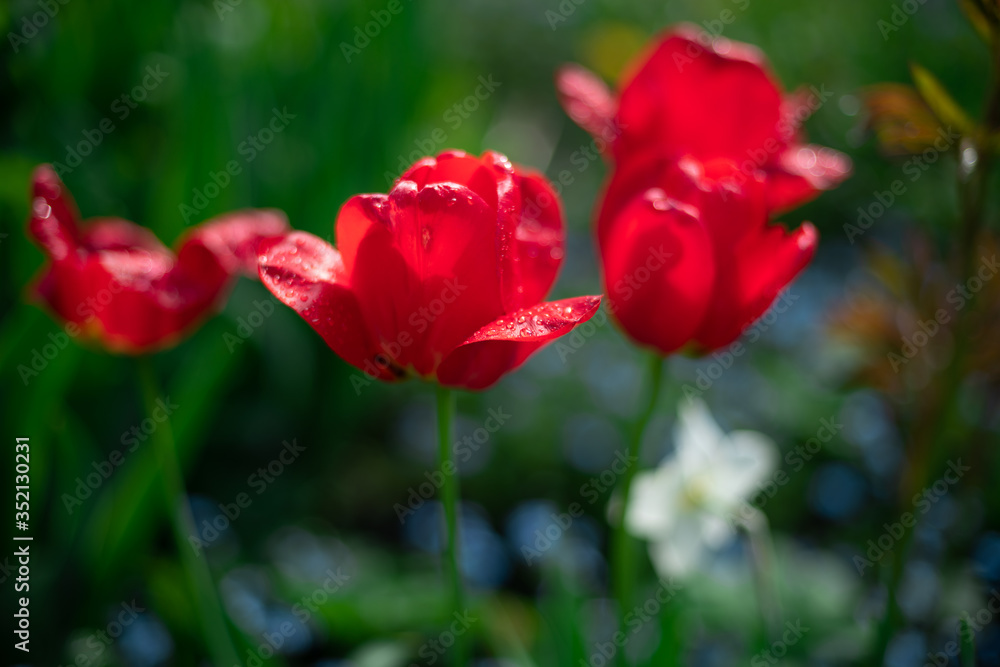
(900, 16)
(87, 309)
(624, 289)
(591, 492)
(249, 149)
(306, 607)
(431, 651)
(562, 12)
(363, 35)
(31, 25)
(775, 653)
(453, 118)
(723, 360)
(223, 7)
(581, 158)
(464, 450)
(795, 460)
(634, 619)
(132, 439)
(101, 641)
(971, 625)
(259, 482)
(786, 129)
(246, 326)
(913, 168)
(418, 322)
(958, 298)
(922, 503)
(120, 109)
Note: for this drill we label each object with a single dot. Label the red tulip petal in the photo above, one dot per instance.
(796, 109)
(802, 172)
(133, 301)
(732, 203)
(751, 278)
(374, 268)
(54, 216)
(234, 237)
(587, 100)
(360, 217)
(457, 261)
(459, 167)
(539, 243)
(718, 101)
(677, 178)
(659, 269)
(308, 275)
(121, 235)
(143, 318)
(504, 344)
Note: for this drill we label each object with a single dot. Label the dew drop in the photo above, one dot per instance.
(41, 208)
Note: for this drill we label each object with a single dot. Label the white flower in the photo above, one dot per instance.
(684, 508)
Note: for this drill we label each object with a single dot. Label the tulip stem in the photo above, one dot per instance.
(967, 637)
(763, 567)
(623, 558)
(213, 622)
(449, 499)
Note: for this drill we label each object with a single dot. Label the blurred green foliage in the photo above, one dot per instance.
(229, 65)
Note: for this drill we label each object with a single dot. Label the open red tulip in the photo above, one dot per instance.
(441, 278)
(709, 98)
(691, 263)
(115, 282)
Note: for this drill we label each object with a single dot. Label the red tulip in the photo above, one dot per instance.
(693, 262)
(442, 278)
(692, 95)
(117, 283)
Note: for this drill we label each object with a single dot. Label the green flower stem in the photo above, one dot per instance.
(764, 570)
(967, 637)
(211, 616)
(449, 499)
(623, 556)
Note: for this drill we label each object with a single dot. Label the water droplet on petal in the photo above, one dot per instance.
(41, 208)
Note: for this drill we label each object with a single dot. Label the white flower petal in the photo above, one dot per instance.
(696, 436)
(682, 553)
(716, 532)
(744, 462)
(654, 502)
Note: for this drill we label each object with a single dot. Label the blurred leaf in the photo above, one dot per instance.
(510, 627)
(563, 640)
(978, 18)
(940, 101)
(380, 654)
(902, 122)
(128, 513)
(609, 47)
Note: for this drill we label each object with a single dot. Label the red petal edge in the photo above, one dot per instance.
(505, 344)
